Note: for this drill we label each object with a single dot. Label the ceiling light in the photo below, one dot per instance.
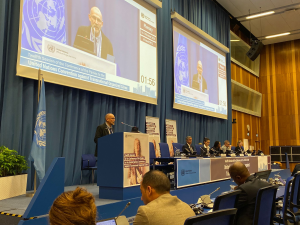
(278, 35)
(259, 15)
(234, 40)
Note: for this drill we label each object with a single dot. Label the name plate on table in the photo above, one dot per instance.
(232, 155)
(242, 155)
(67, 53)
(192, 93)
(223, 155)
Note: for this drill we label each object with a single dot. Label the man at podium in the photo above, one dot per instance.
(105, 128)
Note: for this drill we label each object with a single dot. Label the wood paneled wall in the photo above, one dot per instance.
(280, 87)
(239, 129)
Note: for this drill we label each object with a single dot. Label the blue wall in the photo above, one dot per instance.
(73, 115)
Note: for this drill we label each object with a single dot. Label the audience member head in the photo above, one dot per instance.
(239, 173)
(74, 208)
(206, 141)
(217, 144)
(226, 143)
(155, 183)
(240, 144)
(110, 119)
(189, 140)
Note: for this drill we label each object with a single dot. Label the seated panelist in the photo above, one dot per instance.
(188, 149)
(238, 149)
(205, 148)
(215, 150)
(226, 148)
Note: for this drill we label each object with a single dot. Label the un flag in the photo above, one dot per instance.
(38, 147)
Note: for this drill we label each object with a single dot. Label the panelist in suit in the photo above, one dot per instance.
(249, 185)
(105, 128)
(205, 148)
(188, 149)
(226, 148)
(103, 46)
(215, 150)
(160, 206)
(199, 83)
(238, 148)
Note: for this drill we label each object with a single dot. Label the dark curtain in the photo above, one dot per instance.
(73, 115)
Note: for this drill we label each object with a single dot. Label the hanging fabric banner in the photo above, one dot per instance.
(171, 134)
(152, 128)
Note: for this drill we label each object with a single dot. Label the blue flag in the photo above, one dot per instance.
(181, 66)
(38, 147)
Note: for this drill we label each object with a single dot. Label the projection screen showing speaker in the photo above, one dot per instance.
(108, 47)
(200, 81)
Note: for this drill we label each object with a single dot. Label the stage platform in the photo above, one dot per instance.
(110, 208)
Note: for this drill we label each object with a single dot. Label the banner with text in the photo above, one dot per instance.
(152, 128)
(171, 134)
(136, 158)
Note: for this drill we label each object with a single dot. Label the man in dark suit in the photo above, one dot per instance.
(188, 149)
(103, 46)
(249, 185)
(105, 129)
(199, 83)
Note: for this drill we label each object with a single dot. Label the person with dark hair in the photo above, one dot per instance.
(205, 148)
(249, 185)
(160, 206)
(215, 150)
(188, 149)
(74, 208)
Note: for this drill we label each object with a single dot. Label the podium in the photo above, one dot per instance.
(123, 159)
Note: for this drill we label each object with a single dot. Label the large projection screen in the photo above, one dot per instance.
(200, 84)
(108, 47)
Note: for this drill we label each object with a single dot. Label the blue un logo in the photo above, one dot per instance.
(42, 18)
(40, 130)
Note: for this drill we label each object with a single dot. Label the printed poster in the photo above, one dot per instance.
(171, 134)
(136, 158)
(152, 128)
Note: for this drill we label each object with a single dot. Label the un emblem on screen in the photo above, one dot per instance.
(42, 18)
(40, 129)
(182, 172)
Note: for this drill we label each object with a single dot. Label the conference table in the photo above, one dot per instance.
(198, 170)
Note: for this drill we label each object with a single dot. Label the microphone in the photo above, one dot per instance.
(126, 124)
(205, 199)
(128, 204)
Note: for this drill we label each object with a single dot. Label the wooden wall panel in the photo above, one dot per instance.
(239, 130)
(280, 87)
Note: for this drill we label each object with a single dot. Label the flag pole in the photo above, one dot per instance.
(40, 77)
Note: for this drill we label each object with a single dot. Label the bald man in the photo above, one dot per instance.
(102, 45)
(249, 185)
(105, 128)
(199, 83)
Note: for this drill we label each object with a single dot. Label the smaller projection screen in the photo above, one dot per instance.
(105, 46)
(200, 84)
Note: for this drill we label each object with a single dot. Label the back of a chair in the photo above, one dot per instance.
(164, 150)
(177, 146)
(88, 160)
(264, 206)
(220, 217)
(151, 152)
(287, 161)
(294, 200)
(286, 196)
(198, 149)
(227, 201)
(233, 148)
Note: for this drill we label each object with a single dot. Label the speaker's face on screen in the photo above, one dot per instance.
(199, 68)
(95, 18)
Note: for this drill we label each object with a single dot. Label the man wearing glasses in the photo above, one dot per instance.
(102, 45)
(199, 83)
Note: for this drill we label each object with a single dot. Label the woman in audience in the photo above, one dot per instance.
(74, 208)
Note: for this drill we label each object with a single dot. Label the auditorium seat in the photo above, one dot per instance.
(294, 200)
(227, 201)
(164, 150)
(233, 148)
(151, 154)
(220, 217)
(177, 146)
(198, 149)
(88, 162)
(265, 200)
